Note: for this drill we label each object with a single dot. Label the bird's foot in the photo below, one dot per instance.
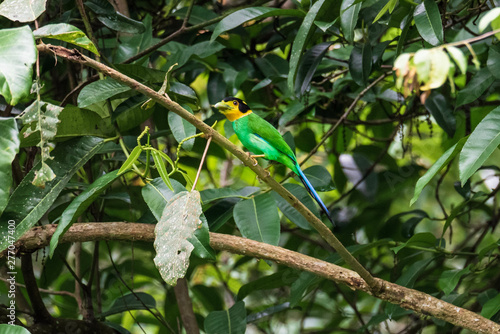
(255, 162)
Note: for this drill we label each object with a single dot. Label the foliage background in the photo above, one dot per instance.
(367, 125)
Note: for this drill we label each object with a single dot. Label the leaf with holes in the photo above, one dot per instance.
(178, 222)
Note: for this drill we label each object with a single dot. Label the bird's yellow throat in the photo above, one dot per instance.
(234, 114)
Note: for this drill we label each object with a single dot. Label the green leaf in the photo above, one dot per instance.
(481, 143)
(319, 177)
(289, 211)
(491, 307)
(160, 167)
(67, 33)
(257, 219)
(131, 301)
(489, 17)
(360, 64)
(476, 87)
(120, 22)
(13, 329)
(408, 279)
(440, 109)
(308, 65)
(438, 165)
(114, 20)
(299, 44)
(241, 16)
(156, 194)
(22, 10)
(99, 91)
(179, 220)
(459, 58)
(428, 21)
(9, 147)
(405, 27)
(181, 129)
(210, 195)
(232, 321)
(79, 205)
(29, 203)
(277, 280)
(426, 239)
(132, 158)
(493, 62)
(17, 56)
(389, 6)
(349, 11)
(450, 278)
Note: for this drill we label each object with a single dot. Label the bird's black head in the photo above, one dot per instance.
(237, 103)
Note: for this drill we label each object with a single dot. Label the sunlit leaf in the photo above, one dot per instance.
(67, 33)
(22, 10)
(489, 17)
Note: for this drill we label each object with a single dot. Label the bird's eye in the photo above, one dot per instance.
(235, 103)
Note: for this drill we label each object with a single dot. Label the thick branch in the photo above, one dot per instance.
(411, 299)
(323, 230)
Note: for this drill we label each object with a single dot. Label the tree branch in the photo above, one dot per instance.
(75, 56)
(419, 302)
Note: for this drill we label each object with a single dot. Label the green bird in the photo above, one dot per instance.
(261, 138)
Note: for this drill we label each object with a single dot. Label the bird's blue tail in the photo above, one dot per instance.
(313, 193)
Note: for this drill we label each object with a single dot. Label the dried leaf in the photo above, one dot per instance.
(179, 221)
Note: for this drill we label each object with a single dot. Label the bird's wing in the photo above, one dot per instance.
(267, 132)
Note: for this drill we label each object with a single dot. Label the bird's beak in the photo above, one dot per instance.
(222, 106)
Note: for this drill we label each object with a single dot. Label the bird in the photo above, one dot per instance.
(260, 137)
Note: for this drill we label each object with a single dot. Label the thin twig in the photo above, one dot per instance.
(201, 163)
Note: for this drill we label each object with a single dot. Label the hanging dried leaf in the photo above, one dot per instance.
(179, 221)
(45, 117)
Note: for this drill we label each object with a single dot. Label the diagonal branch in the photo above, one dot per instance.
(419, 302)
(323, 230)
